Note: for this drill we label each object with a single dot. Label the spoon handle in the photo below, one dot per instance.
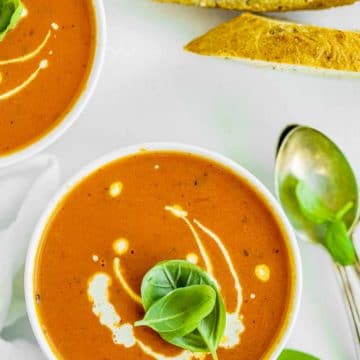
(349, 280)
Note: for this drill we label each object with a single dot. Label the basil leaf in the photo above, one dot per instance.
(170, 275)
(180, 312)
(336, 239)
(193, 342)
(205, 337)
(344, 210)
(288, 354)
(206, 333)
(312, 206)
(10, 13)
(339, 244)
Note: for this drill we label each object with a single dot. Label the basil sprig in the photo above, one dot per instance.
(162, 283)
(288, 354)
(312, 206)
(180, 312)
(336, 239)
(339, 244)
(10, 13)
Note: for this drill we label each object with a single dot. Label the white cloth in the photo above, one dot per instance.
(25, 190)
(19, 350)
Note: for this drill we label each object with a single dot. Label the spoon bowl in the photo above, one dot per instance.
(305, 154)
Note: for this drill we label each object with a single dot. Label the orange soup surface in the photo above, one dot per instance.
(123, 219)
(44, 65)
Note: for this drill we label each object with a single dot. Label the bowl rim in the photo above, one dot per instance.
(292, 245)
(80, 102)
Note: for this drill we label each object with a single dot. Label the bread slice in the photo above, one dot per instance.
(259, 38)
(264, 5)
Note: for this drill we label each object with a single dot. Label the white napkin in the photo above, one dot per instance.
(25, 190)
(19, 350)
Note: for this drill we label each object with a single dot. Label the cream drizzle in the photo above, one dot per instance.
(228, 260)
(123, 282)
(262, 272)
(116, 188)
(42, 65)
(30, 55)
(21, 59)
(25, 12)
(104, 310)
(233, 330)
(178, 212)
(121, 246)
(192, 258)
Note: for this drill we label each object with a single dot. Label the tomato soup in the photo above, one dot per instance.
(127, 216)
(45, 62)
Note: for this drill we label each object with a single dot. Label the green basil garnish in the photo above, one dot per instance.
(180, 312)
(336, 239)
(288, 354)
(344, 210)
(168, 276)
(312, 206)
(339, 244)
(10, 13)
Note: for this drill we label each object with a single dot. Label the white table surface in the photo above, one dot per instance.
(151, 90)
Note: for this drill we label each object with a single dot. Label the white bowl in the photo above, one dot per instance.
(80, 103)
(236, 168)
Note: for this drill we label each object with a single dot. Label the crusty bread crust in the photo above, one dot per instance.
(259, 38)
(264, 5)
